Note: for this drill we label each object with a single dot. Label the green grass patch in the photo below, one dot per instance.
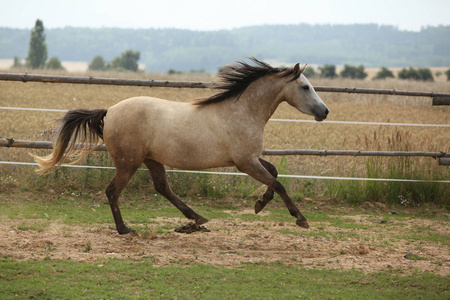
(81, 210)
(424, 237)
(33, 226)
(51, 279)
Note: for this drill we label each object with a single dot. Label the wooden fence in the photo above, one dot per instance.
(438, 99)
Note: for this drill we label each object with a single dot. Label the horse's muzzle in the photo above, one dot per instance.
(322, 116)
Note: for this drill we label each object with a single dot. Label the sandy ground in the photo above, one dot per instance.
(233, 241)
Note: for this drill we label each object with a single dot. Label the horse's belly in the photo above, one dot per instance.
(191, 157)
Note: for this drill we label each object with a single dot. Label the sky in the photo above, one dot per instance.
(411, 15)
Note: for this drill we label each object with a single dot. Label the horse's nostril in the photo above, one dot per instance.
(326, 111)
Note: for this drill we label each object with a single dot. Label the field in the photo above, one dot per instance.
(62, 246)
(59, 226)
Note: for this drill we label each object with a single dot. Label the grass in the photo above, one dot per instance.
(430, 236)
(124, 279)
(140, 276)
(71, 209)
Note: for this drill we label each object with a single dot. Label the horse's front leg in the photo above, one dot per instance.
(268, 195)
(255, 169)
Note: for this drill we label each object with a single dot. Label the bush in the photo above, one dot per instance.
(174, 72)
(127, 61)
(353, 72)
(309, 72)
(98, 64)
(423, 74)
(410, 73)
(384, 73)
(17, 63)
(447, 73)
(54, 64)
(328, 71)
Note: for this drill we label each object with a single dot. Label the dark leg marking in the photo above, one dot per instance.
(268, 195)
(255, 169)
(158, 173)
(113, 191)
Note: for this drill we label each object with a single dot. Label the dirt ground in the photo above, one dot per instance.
(231, 242)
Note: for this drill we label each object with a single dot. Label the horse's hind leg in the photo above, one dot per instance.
(158, 173)
(120, 180)
(268, 195)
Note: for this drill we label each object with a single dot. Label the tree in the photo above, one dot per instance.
(423, 74)
(17, 63)
(384, 73)
(309, 72)
(353, 72)
(37, 52)
(174, 72)
(410, 73)
(348, 72)
(130, 60)
(328, 71)
(116, 64)
(54, 64)
(98, 64)
(360, 73)
(447, 73)
(127, 61)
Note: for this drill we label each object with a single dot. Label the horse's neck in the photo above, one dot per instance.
(262, 98)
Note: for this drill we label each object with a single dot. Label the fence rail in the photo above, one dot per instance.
(105, 81)
(438, 98)
(49, 145)
(272, 120)
(240, 174)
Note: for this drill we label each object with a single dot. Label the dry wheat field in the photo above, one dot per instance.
(343, 107)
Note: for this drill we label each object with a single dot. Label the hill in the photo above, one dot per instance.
(164, 49)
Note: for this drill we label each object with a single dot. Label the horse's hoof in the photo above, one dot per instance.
(127, 230)
(259, 205)
(201, 221)
(133, 232)
(302, 223)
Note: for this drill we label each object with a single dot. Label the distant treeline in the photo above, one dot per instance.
(329, 71)
(175, 49)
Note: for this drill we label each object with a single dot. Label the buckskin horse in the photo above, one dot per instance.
(223, 130)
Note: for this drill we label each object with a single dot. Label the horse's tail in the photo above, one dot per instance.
(80, 125)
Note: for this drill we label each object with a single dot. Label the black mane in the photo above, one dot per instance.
(236, 78)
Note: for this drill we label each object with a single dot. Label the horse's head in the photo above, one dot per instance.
(300, 94)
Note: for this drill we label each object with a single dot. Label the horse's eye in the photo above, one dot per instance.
(305, 87)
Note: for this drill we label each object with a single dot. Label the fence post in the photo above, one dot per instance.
(441, 100)
(444, 161)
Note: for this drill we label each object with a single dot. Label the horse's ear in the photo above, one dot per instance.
(296, 70)
(303, 68)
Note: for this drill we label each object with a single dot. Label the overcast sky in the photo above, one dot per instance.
(214, 15)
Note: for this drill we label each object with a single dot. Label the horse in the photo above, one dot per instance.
(223, 130)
